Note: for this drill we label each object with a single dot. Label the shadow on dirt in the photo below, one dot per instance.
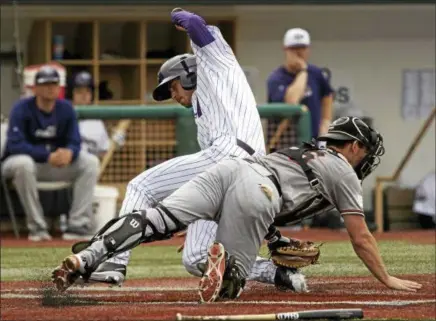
(53, 298)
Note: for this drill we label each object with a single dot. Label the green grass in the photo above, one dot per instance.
(337, 259)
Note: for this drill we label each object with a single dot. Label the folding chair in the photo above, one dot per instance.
(41, 186)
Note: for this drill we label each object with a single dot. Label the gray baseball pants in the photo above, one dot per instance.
(237, 195)
(25, 173)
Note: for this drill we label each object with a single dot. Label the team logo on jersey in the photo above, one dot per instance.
(267, 191)
(49, 132)
(308, 92)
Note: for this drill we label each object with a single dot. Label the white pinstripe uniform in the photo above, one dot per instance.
(225, 110)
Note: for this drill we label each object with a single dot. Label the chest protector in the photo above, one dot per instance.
(316, 204)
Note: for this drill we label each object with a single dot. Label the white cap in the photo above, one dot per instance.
(296, 37)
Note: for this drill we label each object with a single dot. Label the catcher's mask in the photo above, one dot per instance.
(182, 67)
(355, 129)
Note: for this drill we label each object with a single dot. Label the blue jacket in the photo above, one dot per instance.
(36, 133)
(317, 88)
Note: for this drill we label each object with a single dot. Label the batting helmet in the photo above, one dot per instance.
(355, 129)
(83, 79)
(182, 67)
(47, 75)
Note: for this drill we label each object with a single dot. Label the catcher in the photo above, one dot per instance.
(246, 196)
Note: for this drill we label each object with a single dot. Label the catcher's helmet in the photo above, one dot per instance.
(47, 75)
(355, 129)
(182, 67)
(83, 79)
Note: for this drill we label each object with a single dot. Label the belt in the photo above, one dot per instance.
(245, 147)
(272, 178)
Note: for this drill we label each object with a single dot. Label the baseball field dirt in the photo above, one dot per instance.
(161, 298)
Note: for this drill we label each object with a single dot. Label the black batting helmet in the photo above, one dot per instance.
(182, 67)
(47, 75)
(355, 129)
(83, 79)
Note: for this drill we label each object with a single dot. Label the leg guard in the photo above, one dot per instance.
(126, 232)
(116, 232)
(130, 230)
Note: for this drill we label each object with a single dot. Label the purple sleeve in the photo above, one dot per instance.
(275, 90)
(325, 87)
(195, 26)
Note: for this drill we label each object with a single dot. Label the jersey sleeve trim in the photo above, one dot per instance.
(352, 212)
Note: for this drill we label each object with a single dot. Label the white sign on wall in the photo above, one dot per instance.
(418, 93)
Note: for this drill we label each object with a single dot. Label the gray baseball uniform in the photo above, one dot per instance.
(339, 185)
(245, 202)
(240, 194)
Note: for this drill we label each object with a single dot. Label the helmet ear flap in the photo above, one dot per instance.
(188, 81)
(188, 78)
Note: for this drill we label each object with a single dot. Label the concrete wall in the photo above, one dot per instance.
(366, 47)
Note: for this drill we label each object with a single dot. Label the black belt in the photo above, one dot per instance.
(245, 147)
(272, 178)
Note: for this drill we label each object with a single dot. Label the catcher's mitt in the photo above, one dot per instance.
(296, 254)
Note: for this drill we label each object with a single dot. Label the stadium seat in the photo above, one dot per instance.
(41, 186)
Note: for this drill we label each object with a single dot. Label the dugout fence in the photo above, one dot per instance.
(157, 133)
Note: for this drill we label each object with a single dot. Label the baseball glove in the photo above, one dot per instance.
(295, 254)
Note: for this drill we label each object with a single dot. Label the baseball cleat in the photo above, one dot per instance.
(63, 279)
(67, 273)
(72, 263)
(212, 280)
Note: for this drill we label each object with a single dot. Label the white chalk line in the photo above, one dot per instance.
(260, 302)
(108, 289)
(149, 289)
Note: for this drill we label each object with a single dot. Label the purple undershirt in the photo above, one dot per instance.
(195, 26)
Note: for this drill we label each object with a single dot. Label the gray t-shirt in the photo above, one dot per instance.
(338, 185)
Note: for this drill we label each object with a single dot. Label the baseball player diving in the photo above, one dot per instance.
(246, 195)
(228, 125)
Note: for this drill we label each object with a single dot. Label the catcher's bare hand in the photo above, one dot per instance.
(403, 285)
